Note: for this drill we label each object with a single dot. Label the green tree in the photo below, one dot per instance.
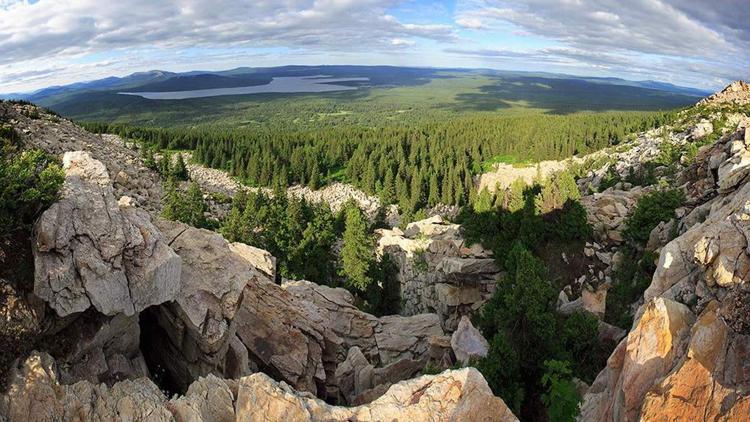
(357, 252)
(515, 196)
(173, 202)
(562, 397)
(652, 209)
(179, 170)
(195, 206)
(484, 201)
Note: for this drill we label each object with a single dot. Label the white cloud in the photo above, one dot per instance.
(684, 34)
(400, 42)
(471, 23)
(63, 29)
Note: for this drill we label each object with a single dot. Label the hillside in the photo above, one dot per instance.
(618, 275)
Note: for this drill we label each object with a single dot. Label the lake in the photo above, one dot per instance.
(278, 85)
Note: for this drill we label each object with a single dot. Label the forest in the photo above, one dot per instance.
(416, 167)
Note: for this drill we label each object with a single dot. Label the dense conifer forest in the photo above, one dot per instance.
(415, 166)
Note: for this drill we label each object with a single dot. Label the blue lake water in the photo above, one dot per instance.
(279, 85)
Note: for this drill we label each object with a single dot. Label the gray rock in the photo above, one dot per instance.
(90, 252)
(468, 343)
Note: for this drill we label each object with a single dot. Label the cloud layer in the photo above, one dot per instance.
(694, 41)
(685, 41)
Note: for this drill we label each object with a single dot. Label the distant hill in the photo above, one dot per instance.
(409, 88)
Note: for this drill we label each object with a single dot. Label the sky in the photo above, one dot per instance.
(698, 43)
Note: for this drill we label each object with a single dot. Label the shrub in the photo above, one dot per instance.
(501, 368)
(579, 337)
(630, 279)
(652, 209)
(570, 223)
(29, 183)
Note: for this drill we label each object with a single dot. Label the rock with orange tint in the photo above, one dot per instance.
(644, 357)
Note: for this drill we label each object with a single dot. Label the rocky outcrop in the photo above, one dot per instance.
(395, 347)
(681, 359)
(608, 211)
(438, 271)
(642, 358)
(36, 394)
(383, 340)
(201, 321)
(56, 136)
(503, 175)
(451, 396)
(738, 92)
(91, 251)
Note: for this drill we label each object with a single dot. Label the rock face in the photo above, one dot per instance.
(92, 252)
(438, 272)
(645, 356)
(395, 347)
(36, 394)
(200, 322)
(681, 361)
(738, 92)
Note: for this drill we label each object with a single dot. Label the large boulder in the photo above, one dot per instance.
(645, 356)
(451, 396)
(196, 328)
(383, 340)
(91, 251)
(286, 339)
(468, 343)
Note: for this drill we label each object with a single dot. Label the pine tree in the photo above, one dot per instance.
(388, 193)
(434, 197)
(179, 170)
(483, 201)
(173, 201)
(195, 207)
(515, 197)
(357, 252)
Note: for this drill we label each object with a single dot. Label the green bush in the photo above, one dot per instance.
(562, 397)
(630, 279)
(579, 337)
(29, 183)
(501, 368)
(652, 209)
(570, 223)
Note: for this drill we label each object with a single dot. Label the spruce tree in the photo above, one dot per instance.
(357, 252)
(179, 170)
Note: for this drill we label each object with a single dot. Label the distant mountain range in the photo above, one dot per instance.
(163, 81)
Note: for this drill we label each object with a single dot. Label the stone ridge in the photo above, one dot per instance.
(738, 93)
(685, 357)
(36, 394)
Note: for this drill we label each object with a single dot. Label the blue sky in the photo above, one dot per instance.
(689, 42)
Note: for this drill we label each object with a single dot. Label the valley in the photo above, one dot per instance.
(573, 259)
